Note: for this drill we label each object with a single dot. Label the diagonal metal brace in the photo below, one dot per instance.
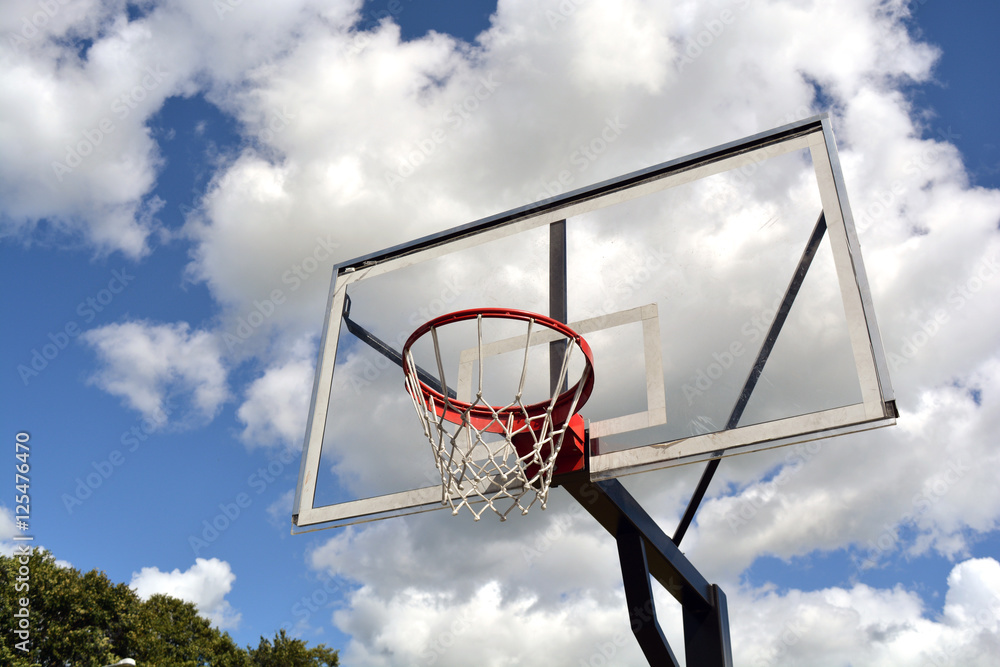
(819, 230)
(389, 353)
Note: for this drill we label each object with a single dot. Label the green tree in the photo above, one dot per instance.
(81, 619)
(174, 635)
(86, 620)
(288, 652)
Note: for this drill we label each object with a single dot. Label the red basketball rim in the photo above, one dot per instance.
(481, 416)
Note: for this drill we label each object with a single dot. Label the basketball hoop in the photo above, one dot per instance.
(503, 456)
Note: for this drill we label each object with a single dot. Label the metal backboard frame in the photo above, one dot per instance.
(875, 408)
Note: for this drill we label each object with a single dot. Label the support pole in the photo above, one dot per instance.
(639, 597)
(557, 299)
(706, 633)
(646, 551)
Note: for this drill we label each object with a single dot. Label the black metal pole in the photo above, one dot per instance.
(557, 300)
(639, 597)
(706, 634)
(645, 550)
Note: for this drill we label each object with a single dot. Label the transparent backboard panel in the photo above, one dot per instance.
(723, 296)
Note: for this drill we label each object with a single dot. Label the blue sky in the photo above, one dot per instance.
(123, 277)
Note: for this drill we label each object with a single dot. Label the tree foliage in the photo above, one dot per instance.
(86, 620)
(286, 651)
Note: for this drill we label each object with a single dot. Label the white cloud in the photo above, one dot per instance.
(870, 626)
(149, 365)
(433, 593)
(77, 155)
(279, 511)
(540, 554)
(78, 159)
(277, 403)
(973, 599)
(8, 530)
(418, 627)
(205, 584)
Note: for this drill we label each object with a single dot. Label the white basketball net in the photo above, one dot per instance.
(480, 468)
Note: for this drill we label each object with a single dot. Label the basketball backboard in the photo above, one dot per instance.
(723, 295)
